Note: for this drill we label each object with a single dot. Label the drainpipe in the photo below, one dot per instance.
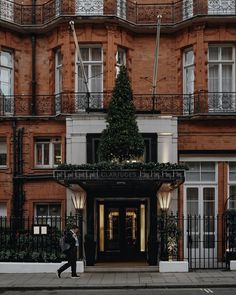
(33, 82)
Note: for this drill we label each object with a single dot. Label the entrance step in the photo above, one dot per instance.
(115, 267)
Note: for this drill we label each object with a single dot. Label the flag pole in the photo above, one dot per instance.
(155, 66)
(85, 78)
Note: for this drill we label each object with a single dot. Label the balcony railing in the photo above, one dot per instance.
(74, 102)
(172, 13)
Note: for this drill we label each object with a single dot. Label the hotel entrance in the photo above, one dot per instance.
(121, 230)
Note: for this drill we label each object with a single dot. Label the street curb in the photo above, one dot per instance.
(110, 287)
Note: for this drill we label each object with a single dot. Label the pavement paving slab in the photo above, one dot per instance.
(115, 280)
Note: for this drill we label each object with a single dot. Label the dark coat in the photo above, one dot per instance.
(69, 239)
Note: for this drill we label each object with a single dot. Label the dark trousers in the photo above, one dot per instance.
(71, 257)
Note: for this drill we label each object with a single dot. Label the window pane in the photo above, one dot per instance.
(208, 176)
(39, 153)
(208, 203)
(57, 153)
(96, 54)
(213, 53)
(3, 210)
(3, 152)
(46, 154)
(84, 54)
(232, 195)
(192, 201)
(96, 79)
(192, 176)
(227, 77)
(81, 84)
(232, 171)
(5, 59)
(189, 57)
(227, 53)
(213, 78)
(42, 210)
(208, 166)
(193, 166)
(54, 210)
(232, 166)
(209, 241)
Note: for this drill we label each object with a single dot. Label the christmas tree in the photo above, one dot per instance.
(121, 140)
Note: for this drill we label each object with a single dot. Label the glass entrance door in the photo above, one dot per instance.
(121, 231)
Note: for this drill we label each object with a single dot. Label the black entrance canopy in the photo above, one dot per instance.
(130, 181)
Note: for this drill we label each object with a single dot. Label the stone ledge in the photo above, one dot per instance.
(35, 267)
(173, 266)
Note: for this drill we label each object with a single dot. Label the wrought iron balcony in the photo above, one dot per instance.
(74, 102)
(172, 13)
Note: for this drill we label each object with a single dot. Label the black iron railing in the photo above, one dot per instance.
(33, 240)
(74, 102)
(205, 241)
(172, 12)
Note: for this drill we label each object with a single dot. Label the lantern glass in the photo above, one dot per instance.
(78, 199)
(164, 198)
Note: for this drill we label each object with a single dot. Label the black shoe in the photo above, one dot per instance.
(58, 274)
(75, 276)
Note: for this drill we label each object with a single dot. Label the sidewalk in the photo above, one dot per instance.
(118, 280)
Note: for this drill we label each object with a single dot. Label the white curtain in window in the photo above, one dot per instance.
(227, 78)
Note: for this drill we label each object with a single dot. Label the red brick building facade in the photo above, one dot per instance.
(41, 89)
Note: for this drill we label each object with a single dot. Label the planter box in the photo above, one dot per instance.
(35, 267)
(232, 264)
(173, 266)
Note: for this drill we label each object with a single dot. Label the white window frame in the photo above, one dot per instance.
(2, 149)
(51, 142)
(220, 62)
(89, 63)
(7, 97)
(188, 96)
(200, 185)
(47, 219)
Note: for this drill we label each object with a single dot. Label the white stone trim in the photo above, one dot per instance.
(173, 266)
(36, 267)
(232, 264)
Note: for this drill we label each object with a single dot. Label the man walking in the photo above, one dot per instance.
(71, 253)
